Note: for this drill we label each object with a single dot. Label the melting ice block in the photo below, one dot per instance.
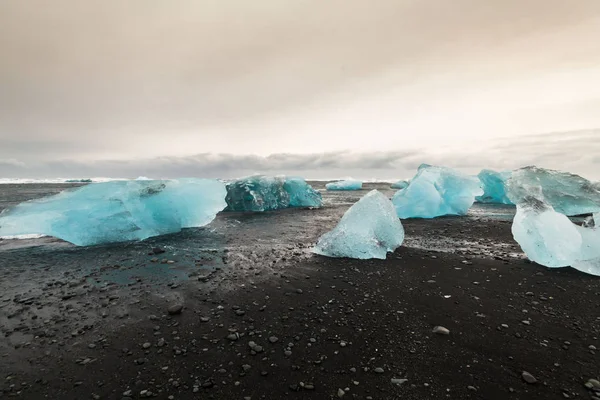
(549, 238)
(265, 193)
(494, 187)
(369, 229)
(436, 191)
(399, 185)
(118, 211)
(566, 193)
(344, 185)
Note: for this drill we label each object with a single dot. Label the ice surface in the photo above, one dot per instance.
(118, 211)
(549, 238)
(436, 191)
(344, 185)
(494, 187)
(369, 229)
(399, 185)
(265, 193)
(567, 193)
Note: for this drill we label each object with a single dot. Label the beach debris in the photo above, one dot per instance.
(118, 211)
(368, 229)
(527, 377)
(494, 187)
(266, 193)
(437, 191)
(349, 184)
(440, 330)
(566, 193)
(399, 185)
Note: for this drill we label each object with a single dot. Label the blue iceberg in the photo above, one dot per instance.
(266, 193)
(118, 211)
(494, 187)
(437, 191)
(344, 185)
(399, 185)
(549, 238)
(369, 229)
(566, 193)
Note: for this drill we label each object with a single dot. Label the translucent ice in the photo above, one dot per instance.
(118, 211)
(344, 185)
(369, 229)
(567, 193)
(265, 193)
(494, 187)
(436, 191)
(399, 185)
(549, 238)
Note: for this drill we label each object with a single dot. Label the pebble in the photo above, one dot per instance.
(379, 370)
(440, 330)
(273, 339)
(340, 393)
(397, 381)
(146, 345)
(527, 377)
(175, 309)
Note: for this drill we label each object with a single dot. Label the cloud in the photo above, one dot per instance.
(570, 151)
(11, 162)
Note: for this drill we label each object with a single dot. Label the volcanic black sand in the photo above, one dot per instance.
(242, 310)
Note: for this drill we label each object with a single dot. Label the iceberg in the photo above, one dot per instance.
(265, 193)
(549, 238)
(494, 187)
(437, 191)
(399, 185)
(344, 185)
(118, 211)
(566, 193)
(368, 229)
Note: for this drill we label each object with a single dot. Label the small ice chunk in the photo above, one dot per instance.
(549, 238)
(399, 185)
(266, 193)
(344, 185)
(436, 191)
(566, 193)
(118, 211)
(494, 187)
(368, 229)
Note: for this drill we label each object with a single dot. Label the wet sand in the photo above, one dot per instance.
(242, 309)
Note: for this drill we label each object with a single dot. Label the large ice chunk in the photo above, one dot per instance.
(118, 211)
(494, 187)
(567, 193)
(369, 229)
(549, 238)
(265, 193)
(436, 191)
(399, 185)
(344, 185)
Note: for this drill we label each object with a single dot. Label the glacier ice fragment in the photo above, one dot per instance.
(550, 238)
(436, 191)
(368, 229)
(266, 193)
(118, 211)
(494, 187)
(399, 185)
(568, 194)
(344, 185)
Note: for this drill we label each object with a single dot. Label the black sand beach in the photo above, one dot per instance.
(241, 309)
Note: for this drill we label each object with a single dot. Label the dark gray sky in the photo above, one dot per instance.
(322, 89)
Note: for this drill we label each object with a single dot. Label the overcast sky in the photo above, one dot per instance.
(323, 89)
